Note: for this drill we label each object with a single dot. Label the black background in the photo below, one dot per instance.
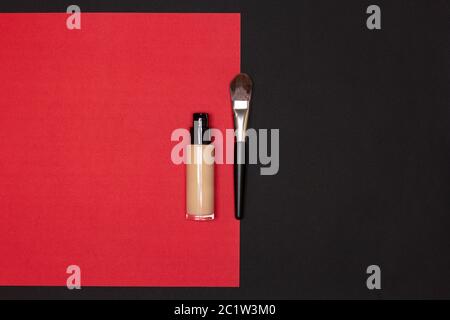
(364, 175)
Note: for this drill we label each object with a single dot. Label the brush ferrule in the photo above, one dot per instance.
(240, 109)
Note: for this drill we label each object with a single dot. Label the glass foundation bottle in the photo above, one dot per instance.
(200, 172)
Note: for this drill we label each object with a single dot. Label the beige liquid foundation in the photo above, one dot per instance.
(200, 172)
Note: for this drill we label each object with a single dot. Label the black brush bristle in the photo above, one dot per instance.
(241, 88)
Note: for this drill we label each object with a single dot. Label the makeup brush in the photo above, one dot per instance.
(241, 93)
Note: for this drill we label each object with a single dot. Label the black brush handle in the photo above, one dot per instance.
(239, 178)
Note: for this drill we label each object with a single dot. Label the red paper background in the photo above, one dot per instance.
(85, 171)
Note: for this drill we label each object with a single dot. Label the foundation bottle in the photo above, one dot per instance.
(200, 172)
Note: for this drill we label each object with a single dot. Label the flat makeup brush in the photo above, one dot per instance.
(241, 93)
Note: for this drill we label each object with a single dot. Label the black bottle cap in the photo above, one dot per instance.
(200, 134)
